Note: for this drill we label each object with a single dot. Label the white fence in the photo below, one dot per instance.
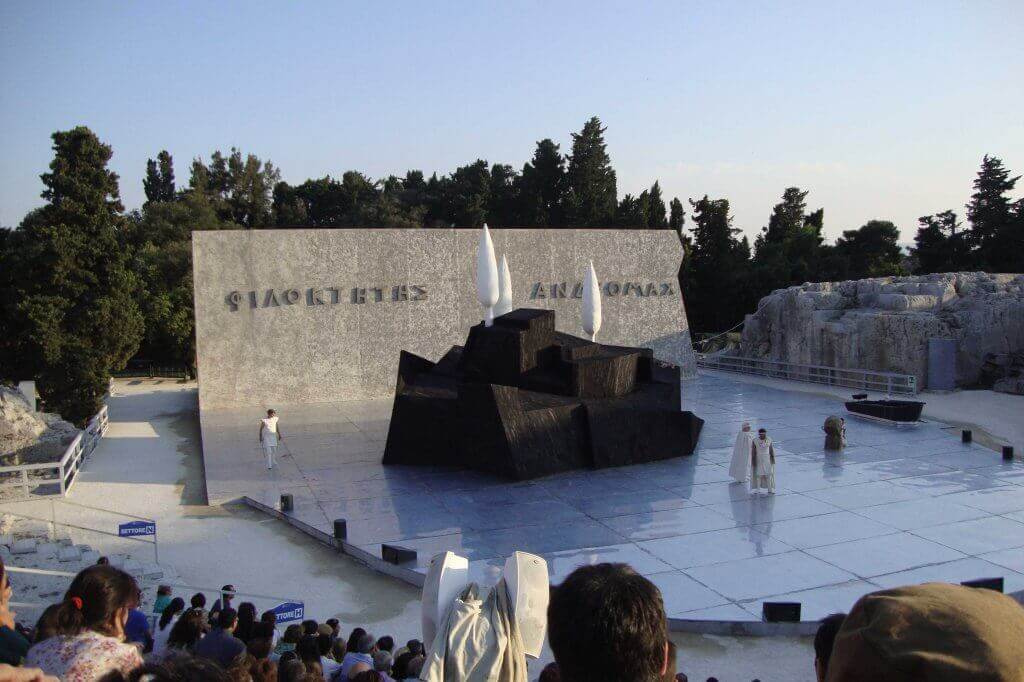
(66, 468)
(865, 379)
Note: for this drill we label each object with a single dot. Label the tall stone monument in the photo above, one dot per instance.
(318, 315)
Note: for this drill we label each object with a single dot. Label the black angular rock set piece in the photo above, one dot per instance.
(521, 400)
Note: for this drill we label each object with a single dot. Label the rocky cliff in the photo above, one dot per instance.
(884, 323)
(27, 436)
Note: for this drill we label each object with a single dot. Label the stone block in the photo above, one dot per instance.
(69, 554)
(24, 546)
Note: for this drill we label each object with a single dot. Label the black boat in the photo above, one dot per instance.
(901, 411)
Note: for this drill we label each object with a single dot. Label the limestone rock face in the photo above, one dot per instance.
(27, 436)
(884, 323)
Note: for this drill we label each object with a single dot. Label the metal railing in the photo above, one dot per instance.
(865, 379)
(67, 467)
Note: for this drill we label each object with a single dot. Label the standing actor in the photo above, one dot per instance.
(270, 434)
(762, 456)
(739, 468)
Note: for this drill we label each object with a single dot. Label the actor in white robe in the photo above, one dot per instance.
(762, 454)
(739, 468)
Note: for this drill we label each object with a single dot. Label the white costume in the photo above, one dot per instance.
(762, 452)
(268, 436)
(739, 468)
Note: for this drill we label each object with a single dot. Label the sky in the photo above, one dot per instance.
(881, 110)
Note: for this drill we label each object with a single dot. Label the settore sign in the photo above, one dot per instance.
(295, 317)
(289, 611)
(136, 528)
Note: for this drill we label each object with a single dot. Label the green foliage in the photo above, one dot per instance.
(76, 320)
(940, 245)
(871, 250)
(159, 181)
(788, 249)
(542, 187)
(240, 190)
(592, 197)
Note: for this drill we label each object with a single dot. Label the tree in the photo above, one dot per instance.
(713, 272)
(676, 215)
(542, 187)
(241, 191)
(77, 317)
(788, 249)
(997, 232)
(592, 194)
(656, 208)
(939, 245)
(872, 250)
(159, 180)
(468, 195)
(504, 196)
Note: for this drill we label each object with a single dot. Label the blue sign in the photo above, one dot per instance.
(288, 611)
(133, 528)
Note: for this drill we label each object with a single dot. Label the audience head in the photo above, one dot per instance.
(335, 626)
(415, 646)
(292, 634)
(367, 644)
(415, 666)
(163, 590)
(98, 599)
(338, 650)
(198, 600)
(606, 622)
(227, 593)
(401, 665)
(353, 639)
(227, 619)
(188, 630)
(180, 669)
(246, 620)
(263, 670)
(324, 642)
(260, 647)
(103, 561)
(823, 640)
(325, 629)
(550, 673)
(238, 671)
(309, 627)
(263, 631)
(382, 661)
(176, 606)
(308, 649)
(386, 643)
(934, 631)
(269, 617)
(368, 676)
(46, 626)
(292, 670)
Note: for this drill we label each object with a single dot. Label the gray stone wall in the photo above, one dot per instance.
(310, 316)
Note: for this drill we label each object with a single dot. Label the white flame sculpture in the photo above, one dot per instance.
(591, 303)
(504, 304)
(486, 275)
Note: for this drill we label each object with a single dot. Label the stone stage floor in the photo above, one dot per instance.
(898, 506)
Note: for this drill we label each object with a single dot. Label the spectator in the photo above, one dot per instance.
(163, 598)
(335, 627)
(606, 622)
(103, 561)
(386, 643)
(227, 593)
(415, 647)
(238, 671)
(382, 663)
(198, 603)
(165, 624)
(9, 673)
(670, 663)
(353, 638)
(291, 671)
(308, 649)
(259, 648)
(13, 645)
(136, 630)
(412, 671)
(549, 673)
(263, 670)
(358, 659)
(934, 631)
(369, 676)
(292, 635)
(338, 650)
(221, 645)
(186, 632)
(330, 666)
(310, 627)
(88, 628)
(400, 669)
(823, 640)
(46, 626)
(246, 621)
(178, 669)
(271, 618)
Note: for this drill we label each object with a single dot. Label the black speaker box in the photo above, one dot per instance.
(781, 611)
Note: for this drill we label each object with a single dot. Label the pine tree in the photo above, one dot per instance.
(542, 187)
(872, 250)
(996, 230)
(714, 268)
(939, 246)
(656, 208)
(79, 318)
(592, 193)
(676, 216)
(159, 181)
